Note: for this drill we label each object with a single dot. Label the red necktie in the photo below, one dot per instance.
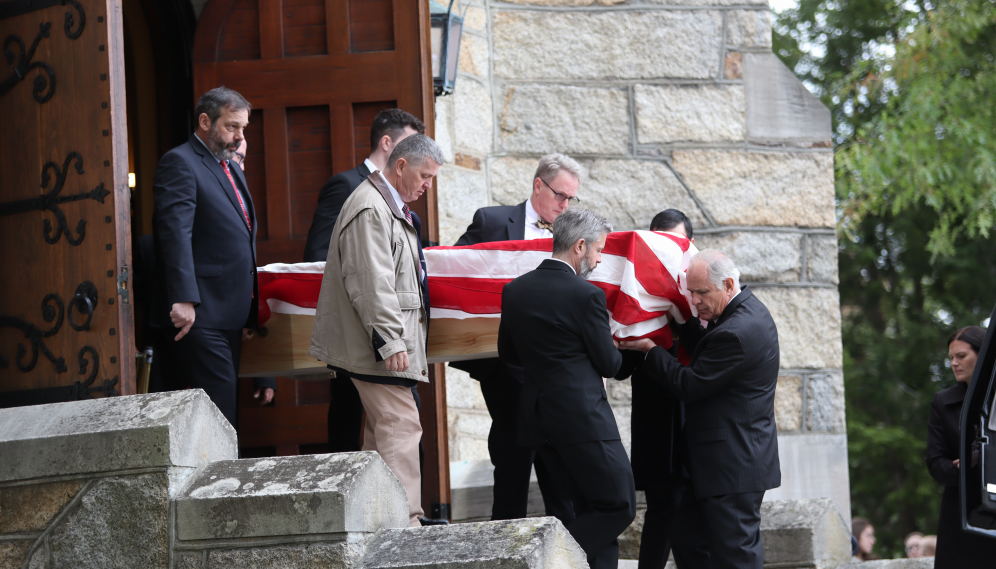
(408, 213)
(238, 194)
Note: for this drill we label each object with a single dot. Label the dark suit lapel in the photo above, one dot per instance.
(517, 223)
(363, 171)
(215, 167)
(745, 293)
(240, 179)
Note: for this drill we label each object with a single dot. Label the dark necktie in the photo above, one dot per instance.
(239, 194)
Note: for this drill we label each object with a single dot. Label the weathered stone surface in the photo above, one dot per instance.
(472, 448)
(444, 127)
(13, 553)
(315, 556)
(179, 428)
(188, 560)
(808, 321)
(692, 113)
(119, 522)
(781, 108)
(542, 119)
(527, 543)
(761, 257)
(567, 2)
(291, 495)
(628, 192)
(463, 392)
(920, 563)
(709, 2)
(804, 531)
(813, 465)
(472, 120)
(459, 193)
(606, 45)
(825, 402)
(620, 392)
(748, 28)
(788, 403)
(474, 424)
(476, 19)
(31, 508)
(624, 421)
(473, 55)
(38, 559)
(821, 260)
(468, 161)
(733, 64)
(761, 188)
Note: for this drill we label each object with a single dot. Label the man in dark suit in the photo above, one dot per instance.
(729, 395)
(555, 325)
(656, 425)
(390, 127)
(555, 188)
(204, 229)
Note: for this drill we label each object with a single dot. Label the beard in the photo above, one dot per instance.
(586, 266)
(218, 147)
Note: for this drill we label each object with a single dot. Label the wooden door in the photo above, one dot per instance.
(66, 328)
(317, 72)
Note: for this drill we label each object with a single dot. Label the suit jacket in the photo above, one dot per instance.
(655, 425)
(729, 395)
(205, 253)
(556, 326)
(496, 223)
(330, 199)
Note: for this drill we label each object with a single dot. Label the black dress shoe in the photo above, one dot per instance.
(430, 522)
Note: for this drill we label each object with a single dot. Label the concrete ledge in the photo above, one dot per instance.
(809, 532)
(532, 543)
(180, 428)
(309, 494)
(921, 563)
(779, 107)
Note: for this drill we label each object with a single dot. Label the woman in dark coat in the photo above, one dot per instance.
(955, 549)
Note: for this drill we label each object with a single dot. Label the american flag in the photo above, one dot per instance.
(642, 274)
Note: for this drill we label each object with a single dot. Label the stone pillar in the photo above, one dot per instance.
(667, 103)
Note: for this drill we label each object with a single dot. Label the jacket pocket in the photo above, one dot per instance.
(207, 270)
(707, 436)
(410, 302)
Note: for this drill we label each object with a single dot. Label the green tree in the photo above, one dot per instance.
(908, 86)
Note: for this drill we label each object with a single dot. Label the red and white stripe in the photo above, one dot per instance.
(642, 274)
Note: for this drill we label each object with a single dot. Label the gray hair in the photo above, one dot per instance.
(576, 224)
(720, 267)
(553, 164)
(219, 98)
(415, 150)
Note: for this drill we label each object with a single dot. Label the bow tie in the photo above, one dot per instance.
(544, 225)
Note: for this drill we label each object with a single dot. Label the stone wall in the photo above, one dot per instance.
(667, 103)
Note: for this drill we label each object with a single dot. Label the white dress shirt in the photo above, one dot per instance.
(533, 232)
(370, 165)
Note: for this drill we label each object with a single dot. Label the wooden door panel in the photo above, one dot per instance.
(66, 327)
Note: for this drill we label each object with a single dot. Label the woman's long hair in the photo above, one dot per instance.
(971, 335)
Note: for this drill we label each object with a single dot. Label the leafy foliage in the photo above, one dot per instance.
(908, 85)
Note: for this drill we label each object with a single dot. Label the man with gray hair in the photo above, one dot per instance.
(730, 435)
(555, 325)
(371, 319)
(554, 189)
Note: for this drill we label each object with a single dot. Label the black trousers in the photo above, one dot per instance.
(719, 532)
(208, 359)
(513, 464)
(663, 496)
(599, 480)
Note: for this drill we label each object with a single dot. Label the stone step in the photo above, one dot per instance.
(291, 495)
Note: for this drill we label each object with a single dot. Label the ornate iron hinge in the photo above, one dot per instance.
(52, 200)
(78, 390)
(44, 87)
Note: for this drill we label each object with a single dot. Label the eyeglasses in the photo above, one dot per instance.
(561, 197)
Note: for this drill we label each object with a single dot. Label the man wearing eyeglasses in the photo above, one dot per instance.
(555, 189)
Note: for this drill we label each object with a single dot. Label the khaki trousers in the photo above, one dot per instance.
(392, 428)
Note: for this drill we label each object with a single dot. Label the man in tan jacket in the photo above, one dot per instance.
(370, 321)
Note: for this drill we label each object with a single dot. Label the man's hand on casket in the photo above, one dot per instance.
(397, 362)
(182, 315)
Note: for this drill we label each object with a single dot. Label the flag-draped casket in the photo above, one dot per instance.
(642, 274)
